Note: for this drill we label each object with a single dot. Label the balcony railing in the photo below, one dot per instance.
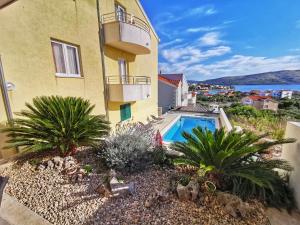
(128, 80)
(125, 18)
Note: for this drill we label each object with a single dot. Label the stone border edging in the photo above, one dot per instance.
(15, 213)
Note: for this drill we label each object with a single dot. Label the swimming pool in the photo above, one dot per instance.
(187, 123)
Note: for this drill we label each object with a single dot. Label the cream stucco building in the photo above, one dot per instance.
(54, 48)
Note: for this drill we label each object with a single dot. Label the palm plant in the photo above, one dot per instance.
(57, 123)
(233, 162)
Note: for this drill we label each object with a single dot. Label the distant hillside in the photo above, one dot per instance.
(278, 77)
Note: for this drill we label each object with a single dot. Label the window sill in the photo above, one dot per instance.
(68, 76)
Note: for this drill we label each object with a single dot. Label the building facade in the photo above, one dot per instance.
(260, 102)
(172, 91)
(54, 48)
(282, 94)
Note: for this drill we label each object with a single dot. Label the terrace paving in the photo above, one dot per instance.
(14, 213)
(282, 217)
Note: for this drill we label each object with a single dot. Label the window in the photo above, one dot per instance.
(66, 59)
(123, 71)
(120, 13)
(125, 111)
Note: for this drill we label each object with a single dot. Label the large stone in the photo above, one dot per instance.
(155, 198)
(193, 188)
(233, 205)
(183, 193)
(103, 190)
(50, 165)
(58, 162)
(189, 192)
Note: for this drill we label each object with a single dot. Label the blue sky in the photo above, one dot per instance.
(207, 39)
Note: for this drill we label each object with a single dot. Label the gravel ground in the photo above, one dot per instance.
(61, 201)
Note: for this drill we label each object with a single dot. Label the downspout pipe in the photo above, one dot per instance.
(101, 44)
(5, 94)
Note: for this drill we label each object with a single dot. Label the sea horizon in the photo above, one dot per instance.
(266, 87)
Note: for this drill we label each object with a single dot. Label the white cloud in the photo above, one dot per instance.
(166, 44)
(203, 29)
(294, 49)
(210, 39)
(192, 54)
(163, 21)
(236, 65)
(202, 10)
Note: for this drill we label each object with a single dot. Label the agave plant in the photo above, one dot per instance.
(57, 123)
(233, 162)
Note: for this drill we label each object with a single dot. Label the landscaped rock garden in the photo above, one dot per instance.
(60, 199)
(125, 176)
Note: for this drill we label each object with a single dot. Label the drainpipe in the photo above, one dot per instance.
(5, 94)
(101, 44)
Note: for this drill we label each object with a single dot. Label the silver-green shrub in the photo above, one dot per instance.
(129, 147)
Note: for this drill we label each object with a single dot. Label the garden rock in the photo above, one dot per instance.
(58, 162)
(50, 165)
(233, 205)
(155, 198)
(41, 167)
(103, 190)
(119, 188)
(189, 192)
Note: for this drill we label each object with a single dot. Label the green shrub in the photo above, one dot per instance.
(57, 123)
(129, 147)
(88, 169)
(233, 162)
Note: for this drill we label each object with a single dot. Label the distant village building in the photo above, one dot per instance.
(172, 91)
(282, 94)
(260, 102)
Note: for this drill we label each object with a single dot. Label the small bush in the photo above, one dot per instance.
(129, 147)
(160, 157)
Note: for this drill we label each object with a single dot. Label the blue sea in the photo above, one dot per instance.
(275, 87)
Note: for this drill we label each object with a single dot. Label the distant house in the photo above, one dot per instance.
(172, 91)
(260, 102)
(282, 94)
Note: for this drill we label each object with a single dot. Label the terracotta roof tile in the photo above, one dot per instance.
(170, 81)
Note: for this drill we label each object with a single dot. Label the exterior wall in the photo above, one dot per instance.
(26, 29)
(139, 65)
(247, 101)
(5, 153)
(291, 152)
(178, 92)
(28, 61)
(225, 121)
(270, 105)
(166, 94)
(184, 91)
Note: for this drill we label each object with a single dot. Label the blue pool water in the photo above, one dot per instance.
(186, 123)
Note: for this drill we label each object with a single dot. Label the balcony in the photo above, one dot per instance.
(126, 32)
(128, 88)
(4, 3)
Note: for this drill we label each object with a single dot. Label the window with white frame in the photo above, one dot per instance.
(66, 59)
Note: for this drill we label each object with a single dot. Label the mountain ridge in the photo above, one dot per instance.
(274, 77)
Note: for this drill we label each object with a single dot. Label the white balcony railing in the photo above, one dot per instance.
(127, 32)
(128, 88)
